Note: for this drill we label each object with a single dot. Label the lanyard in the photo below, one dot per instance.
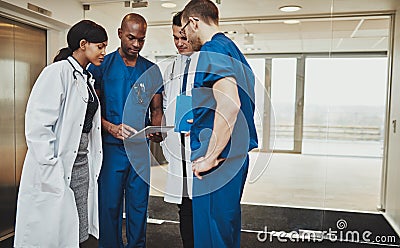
(185, 76)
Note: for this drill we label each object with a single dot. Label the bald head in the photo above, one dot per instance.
(133, 18)
(132, 34)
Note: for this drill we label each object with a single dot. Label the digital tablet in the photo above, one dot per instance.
(151, 129)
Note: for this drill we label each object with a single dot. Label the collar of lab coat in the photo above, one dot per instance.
(76, 64)
(79, 68)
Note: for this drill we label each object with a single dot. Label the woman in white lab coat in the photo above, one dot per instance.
(57, 200)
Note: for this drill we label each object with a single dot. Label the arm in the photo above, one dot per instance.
(120, 131)
(226, 95)
(156, 109)
(42, 114)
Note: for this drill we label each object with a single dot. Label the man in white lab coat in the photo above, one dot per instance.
(176, 146)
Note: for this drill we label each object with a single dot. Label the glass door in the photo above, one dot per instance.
(279, 102)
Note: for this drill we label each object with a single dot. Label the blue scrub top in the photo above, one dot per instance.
(115, 81)
(220, 58)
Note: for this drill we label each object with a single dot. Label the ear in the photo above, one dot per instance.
(82, 44)
(194, 24)
(119, 33)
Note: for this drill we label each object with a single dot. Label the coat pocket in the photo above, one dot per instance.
(51, 178)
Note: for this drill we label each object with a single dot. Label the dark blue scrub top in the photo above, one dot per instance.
(115, 80)
(220, 58)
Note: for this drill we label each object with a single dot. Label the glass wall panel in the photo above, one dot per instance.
(283, 96)
(345, 106)
(337, 89)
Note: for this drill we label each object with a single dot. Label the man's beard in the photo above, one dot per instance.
(196, 44)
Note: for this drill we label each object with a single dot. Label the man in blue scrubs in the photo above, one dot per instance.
(123, 71)
(223, 130)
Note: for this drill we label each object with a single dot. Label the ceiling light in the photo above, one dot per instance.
(248, 39)
(168, 5)
(290, 8)
(230, 32)
(291, 22)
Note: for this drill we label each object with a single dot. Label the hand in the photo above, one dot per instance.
(121, 131)
(204, 164)
(190, 121)
(155, 137)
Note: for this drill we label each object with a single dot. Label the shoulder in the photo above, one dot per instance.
(218, 43)
(148, 66)
(107, 62)
(145, 61)
(55, 76)
(58, 67)
(109, 57)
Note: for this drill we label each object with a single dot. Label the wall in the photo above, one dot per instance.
(64, 11)
(64, 14)
(392, 203)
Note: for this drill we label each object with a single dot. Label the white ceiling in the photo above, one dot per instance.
(325, 25)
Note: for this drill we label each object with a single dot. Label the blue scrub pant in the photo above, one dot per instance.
(116, 177)
(217, 215)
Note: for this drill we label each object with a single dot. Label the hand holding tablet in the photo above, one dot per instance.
(145, 132)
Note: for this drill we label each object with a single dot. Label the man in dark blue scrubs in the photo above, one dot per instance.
(126, 171)
(223, 130)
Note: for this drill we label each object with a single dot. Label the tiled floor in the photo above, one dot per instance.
(309, 181)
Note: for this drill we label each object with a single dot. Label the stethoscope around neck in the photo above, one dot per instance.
(91, 97)
(171, 75)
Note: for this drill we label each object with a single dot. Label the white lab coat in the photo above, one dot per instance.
(46, 212)
(173, 78)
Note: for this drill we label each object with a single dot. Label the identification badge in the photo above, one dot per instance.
(183, 113)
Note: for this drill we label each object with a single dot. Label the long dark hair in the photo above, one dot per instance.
(85, 29)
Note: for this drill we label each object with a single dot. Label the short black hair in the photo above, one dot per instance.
(176, 20)
(206, 10)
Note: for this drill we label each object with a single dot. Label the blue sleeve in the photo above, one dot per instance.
(214, 64)
(97, 75)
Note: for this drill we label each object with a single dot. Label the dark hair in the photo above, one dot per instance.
(176, 20)
(83, 30)
(206, 10)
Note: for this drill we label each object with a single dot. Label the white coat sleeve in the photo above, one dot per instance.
(166, 81)
(167, 86)
(42, 113)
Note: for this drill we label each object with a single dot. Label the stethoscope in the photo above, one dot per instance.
(91, 97)
(171, 75)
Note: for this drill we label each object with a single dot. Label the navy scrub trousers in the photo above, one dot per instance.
(217, 223)
(116, 170)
